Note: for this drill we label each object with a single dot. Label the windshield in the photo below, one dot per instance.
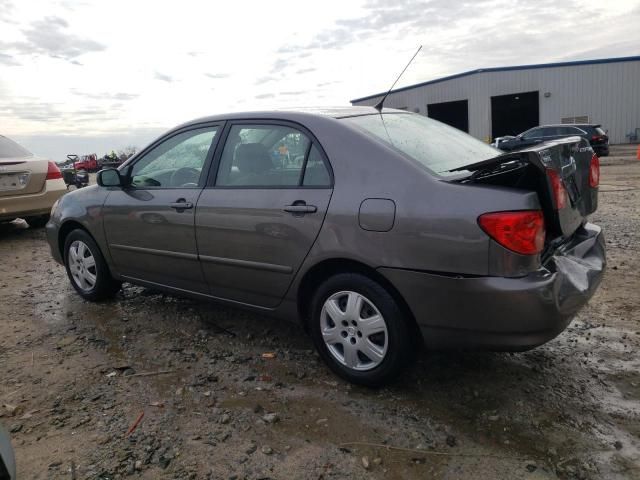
(434, 145)
(10, 149)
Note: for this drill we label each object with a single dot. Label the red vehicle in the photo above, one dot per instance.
(88, 163)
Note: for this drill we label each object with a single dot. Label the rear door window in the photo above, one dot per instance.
(270, 155)
(316, 173)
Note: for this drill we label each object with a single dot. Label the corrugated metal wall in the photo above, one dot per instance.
(608, 93)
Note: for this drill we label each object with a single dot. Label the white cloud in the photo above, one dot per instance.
(96, 68)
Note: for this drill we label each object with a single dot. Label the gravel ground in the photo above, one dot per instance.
(219, 393)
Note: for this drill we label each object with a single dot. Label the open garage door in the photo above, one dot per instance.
(455, 113)
(513, 114)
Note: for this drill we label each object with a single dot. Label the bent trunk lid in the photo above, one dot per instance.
(569, 158)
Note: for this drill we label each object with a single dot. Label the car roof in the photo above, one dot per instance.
(295, 114)
(570, 125)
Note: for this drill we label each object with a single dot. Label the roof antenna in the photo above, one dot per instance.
(378, 106)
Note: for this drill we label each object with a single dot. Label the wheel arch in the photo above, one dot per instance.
(321, 271)
(65, 229)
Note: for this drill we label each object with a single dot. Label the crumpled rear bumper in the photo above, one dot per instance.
(501, 313)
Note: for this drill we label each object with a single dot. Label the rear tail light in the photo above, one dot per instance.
(594, 171)
(53, 172)
(557, 187)
(522, 231)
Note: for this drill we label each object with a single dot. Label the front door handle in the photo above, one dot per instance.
(300, 208)
(181, 204)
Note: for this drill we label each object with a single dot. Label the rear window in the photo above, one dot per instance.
(600, 131)
(434, 145)
(10, 149)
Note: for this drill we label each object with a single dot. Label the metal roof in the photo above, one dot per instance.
(506, 69)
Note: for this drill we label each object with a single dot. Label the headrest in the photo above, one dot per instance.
(252, 158)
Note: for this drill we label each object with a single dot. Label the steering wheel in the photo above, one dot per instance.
(185, 177)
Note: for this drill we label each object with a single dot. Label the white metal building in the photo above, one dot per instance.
(492, 102)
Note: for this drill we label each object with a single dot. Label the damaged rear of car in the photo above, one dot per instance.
(570, 251)
(543, 260)
(413, 230)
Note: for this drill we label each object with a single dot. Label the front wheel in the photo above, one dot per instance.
(86, 267)
(359, 330)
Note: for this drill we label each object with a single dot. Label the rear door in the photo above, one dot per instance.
(262, 210)
(149, 225)
(20, 172)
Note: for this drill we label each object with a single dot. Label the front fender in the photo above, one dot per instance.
(82, 207)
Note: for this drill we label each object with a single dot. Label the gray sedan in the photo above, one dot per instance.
(379, 231)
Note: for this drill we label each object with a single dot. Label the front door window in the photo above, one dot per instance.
(175, 163)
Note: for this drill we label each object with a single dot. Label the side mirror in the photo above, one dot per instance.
(109, 177)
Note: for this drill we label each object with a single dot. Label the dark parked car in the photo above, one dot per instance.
(7, 457)
(379, 231)
(593, 133)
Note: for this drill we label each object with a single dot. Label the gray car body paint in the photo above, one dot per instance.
(461, 288)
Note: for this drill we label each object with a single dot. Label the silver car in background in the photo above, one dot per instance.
(380, 231)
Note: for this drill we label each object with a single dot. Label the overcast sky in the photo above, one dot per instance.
(78, 76)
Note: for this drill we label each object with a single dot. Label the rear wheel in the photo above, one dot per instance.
(38, 221)
(86, 267)
(359, 330)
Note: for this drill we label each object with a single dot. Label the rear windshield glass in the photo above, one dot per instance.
(434, 145)
(10, 149)
(600, 131)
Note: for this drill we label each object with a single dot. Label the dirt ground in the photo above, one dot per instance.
(75, 377)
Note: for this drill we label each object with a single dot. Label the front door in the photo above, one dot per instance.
(149, 224)
(259, 217)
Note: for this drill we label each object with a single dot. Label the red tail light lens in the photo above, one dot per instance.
(594, 171)
(559, 192)
(522, 232)
(53, 172)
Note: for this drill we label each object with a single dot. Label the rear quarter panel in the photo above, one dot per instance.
(435, 227)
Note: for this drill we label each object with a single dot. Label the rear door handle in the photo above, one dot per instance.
(300, 208)
(181, 204)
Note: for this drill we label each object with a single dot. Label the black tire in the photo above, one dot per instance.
(38, 221)
(400, 348)
(105, 286)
